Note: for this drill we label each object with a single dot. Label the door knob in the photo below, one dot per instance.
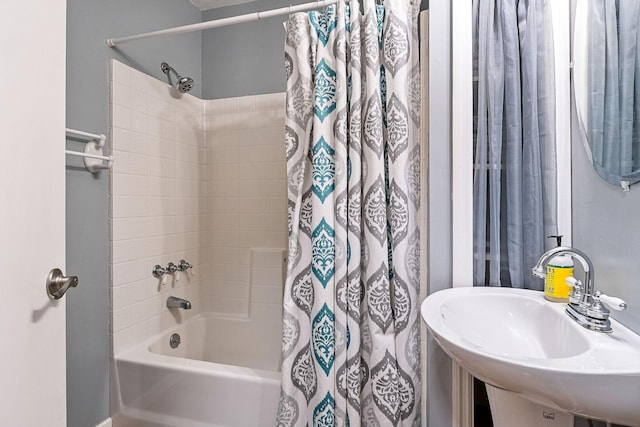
(58, 284)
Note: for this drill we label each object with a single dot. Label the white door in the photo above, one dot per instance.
(32, 219)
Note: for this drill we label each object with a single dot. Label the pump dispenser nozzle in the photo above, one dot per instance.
(558, 239)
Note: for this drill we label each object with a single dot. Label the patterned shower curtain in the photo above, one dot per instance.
(351, 350)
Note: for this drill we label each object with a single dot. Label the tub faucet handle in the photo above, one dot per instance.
(184, 265)
(158, 271)
(171, 268)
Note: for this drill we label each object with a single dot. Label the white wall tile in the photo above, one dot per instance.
(154, 126)
(138, 206)
(120, 94)
(120, 73)
(138, 121)
(230, 306)
(267, 294)
(138, 142)
(145, 201)
(248, 183)
(120, 116)
(267, 313)
(139, 81)
(138, 100)
(121, 318)
(120, 296)
(267, 257)
(121, 273)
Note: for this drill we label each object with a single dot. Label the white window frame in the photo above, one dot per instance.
(462, 162)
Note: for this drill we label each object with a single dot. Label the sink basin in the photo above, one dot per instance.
(516, 340)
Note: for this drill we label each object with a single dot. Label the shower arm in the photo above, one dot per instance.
(166, 68)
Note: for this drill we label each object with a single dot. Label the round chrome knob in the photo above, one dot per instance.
(158, 271)
(172, 268)
(184, 265)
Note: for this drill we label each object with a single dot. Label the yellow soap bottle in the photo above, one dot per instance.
(555, 283)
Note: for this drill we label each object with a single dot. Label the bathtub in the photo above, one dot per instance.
(225, 372)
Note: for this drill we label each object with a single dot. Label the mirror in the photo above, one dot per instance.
(606, 75)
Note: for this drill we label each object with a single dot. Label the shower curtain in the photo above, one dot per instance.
(351, 347)
(515, 150)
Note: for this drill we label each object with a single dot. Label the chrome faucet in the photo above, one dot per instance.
(585, 304)
(175, 302)
(540, 270)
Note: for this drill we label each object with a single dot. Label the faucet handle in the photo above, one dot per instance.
(171, 268)
(612, 302)
(596, 309)
(184, 265)
(158, 271)
(573, 283)
(577, 290)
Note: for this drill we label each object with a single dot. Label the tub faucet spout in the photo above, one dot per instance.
(175, 302)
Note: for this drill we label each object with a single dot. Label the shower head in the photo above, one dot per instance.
(183, 84)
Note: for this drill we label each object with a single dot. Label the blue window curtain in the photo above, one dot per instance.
(514, 145)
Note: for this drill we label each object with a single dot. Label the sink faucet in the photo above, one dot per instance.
(585, 305)
(175, 302)
(540, 269)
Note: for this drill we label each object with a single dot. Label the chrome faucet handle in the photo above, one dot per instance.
(158, 271)
(612, 302)
(184, 265)
(597, 310)
(577, 290)
(171, 268)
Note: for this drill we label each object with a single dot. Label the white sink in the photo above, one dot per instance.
(516, 340)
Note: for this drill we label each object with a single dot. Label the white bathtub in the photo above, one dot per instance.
(224, 373)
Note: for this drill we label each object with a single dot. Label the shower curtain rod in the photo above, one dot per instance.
(113, 42)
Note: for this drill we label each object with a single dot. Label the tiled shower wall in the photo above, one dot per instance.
(248, 205)
(156, 211)
(197, 180)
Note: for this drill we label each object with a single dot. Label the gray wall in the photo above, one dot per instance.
(244, 59)
(606, 226)
(89, 23)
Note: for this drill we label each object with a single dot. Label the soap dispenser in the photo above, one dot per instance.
(559, 268)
